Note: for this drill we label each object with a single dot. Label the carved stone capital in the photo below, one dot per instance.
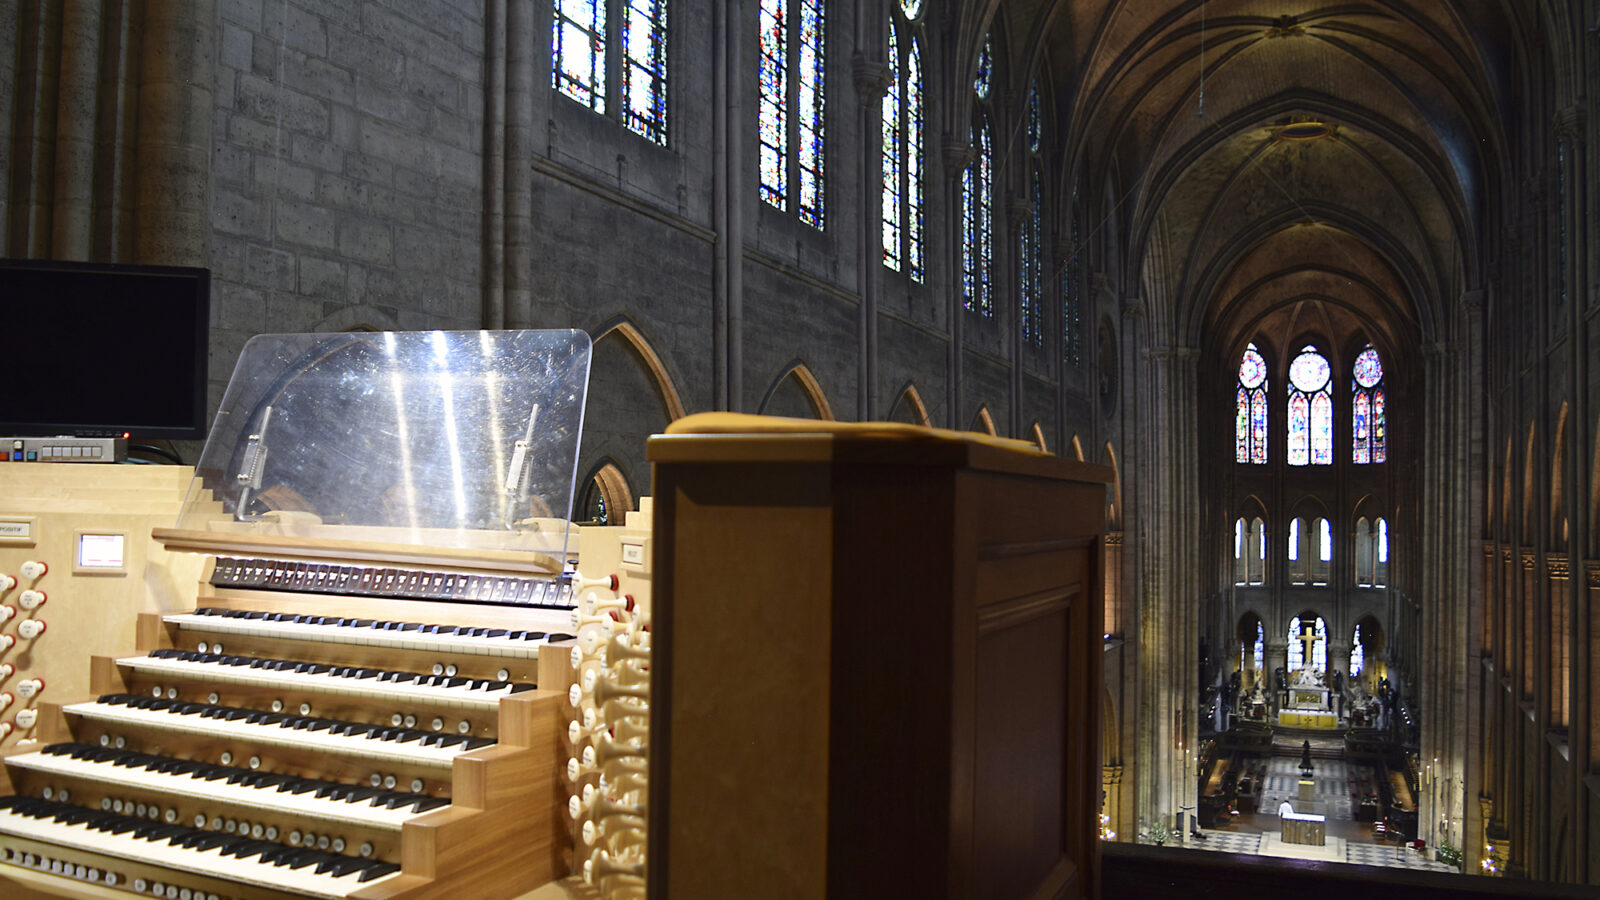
(1473, 300)
(958, 154)
(1569, 122)
(872, 78)
(1556, 565)
(1018, 209)
(1132, 307)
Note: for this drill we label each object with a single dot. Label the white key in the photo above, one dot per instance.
(271, 735)
(204, 862)
(326, 683)
(193, 786)
(549, 621)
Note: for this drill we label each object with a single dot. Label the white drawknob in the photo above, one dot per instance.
(7, 670)
(30, 629)
(7, 642)
(605, 582)
(29, 688)
(6, 582)
(6, 699)
(32, 569)
(6, 728)
(31, 599)
(607, 690)
(26, 718)
(6, 612)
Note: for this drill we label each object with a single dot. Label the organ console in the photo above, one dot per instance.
(877, 663)
(363, 693)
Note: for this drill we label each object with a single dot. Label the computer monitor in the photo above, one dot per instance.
(99, 350)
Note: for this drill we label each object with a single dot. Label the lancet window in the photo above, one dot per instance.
(1368, 427)
(791, 107)
(1310, 422)
(1250, 409)
(903, 145)
(580, 42)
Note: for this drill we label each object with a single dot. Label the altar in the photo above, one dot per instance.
(1307, 702)
(1304, 828)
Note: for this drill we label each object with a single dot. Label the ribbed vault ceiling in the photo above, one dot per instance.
(1281, 166)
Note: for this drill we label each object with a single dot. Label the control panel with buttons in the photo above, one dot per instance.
(75, 568)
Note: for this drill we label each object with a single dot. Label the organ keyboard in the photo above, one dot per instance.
(270, 733)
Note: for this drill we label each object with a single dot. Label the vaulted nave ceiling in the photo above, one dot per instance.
(1260, 158)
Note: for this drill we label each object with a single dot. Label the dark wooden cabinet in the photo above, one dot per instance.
(878, 658)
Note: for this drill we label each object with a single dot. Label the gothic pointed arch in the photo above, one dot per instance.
(909, 408)
(1114, 513)
(606, 495)
(805, 384)
(983, 422)
(1250, 542)
(666, 390)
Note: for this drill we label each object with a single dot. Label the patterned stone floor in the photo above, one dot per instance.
(1332, 795)
(1252, 834)
(1359, 852)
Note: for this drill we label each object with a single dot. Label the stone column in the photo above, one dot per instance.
(177, 70)
(958, 154)
(872, 79)
(1169, 627)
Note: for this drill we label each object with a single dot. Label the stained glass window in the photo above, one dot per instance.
(1241, 426)
(913, 142)
(578, 51)
(1261, 645)
(1071, 288)
(644, 70)
(1035, 118)
(773, 102)
(1358, 654)
(791, 108)
(1366, 403)
(977, 192)
(1250, 409)
(1297, 659)
(1310, 424)
(578, 48)
(1033, 268)
(1294, 539)
(892, 151)
(902, 147)
(980, 83)
(812, 112)
(1319, 649)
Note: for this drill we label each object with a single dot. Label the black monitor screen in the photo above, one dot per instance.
(96, 350)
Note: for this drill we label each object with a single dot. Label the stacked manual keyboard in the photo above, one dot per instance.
(280, 742)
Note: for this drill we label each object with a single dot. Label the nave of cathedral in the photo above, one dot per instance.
(1317, 283)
